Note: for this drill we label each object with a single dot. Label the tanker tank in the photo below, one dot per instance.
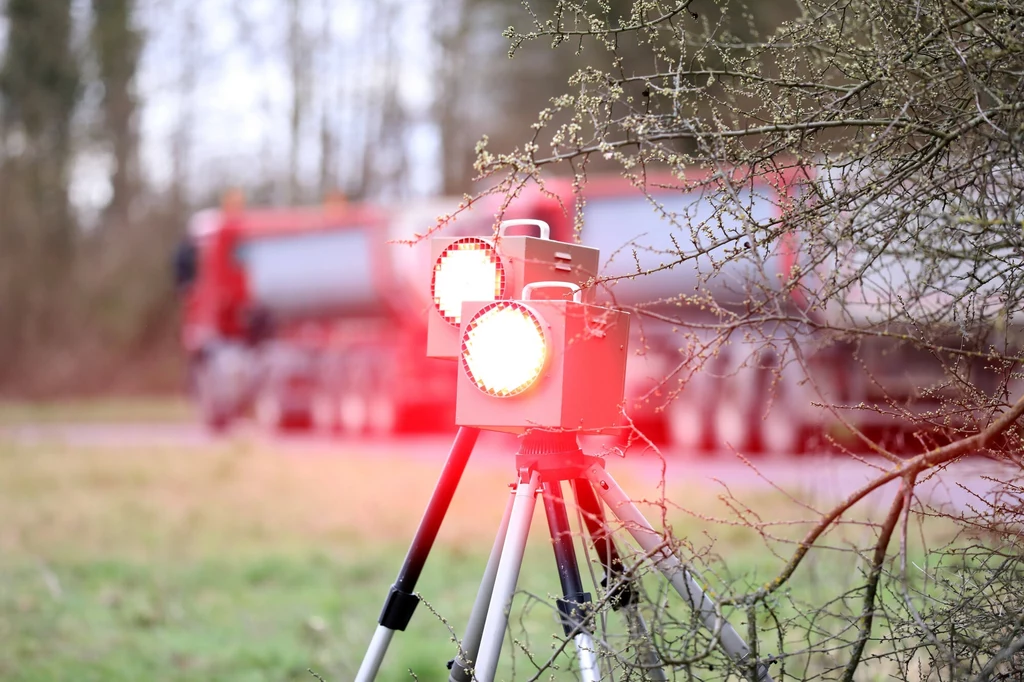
(635, 235)
(313, 274)
(722, 398)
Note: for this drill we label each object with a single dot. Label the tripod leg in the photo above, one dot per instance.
(462, 666)
(673, 569)
(508, 575)
(401, 600)
(622, 592)
(575, 605)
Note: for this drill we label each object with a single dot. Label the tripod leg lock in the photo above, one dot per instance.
(761, 672)
(398, 608)
(576, 611)
(623, 593)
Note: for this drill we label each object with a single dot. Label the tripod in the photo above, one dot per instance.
(546, 459)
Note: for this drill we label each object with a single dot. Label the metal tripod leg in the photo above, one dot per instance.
(575, 605)
(622, 593)
(508, 575)
(469, 648)
(401, 600)
(673, 569)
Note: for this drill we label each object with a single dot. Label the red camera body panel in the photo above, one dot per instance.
(525, 259)
(581, 387)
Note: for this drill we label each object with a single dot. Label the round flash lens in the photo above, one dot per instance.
(467, 270)
(504, 349)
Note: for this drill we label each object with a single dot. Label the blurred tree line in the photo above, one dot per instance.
(114, 126)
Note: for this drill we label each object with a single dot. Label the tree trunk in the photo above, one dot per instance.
(116, 45)
(39, 88)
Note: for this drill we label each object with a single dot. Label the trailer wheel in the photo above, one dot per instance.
(780, 434)
(780, 415)
(735, 427)
(352, 413)
(382, 415)
(689, 419)
(325, 413)
(268, 411)
(274, 414)
(687, 426)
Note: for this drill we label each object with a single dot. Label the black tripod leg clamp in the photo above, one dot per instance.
(398, 608)
(623, 593)
(575, 610)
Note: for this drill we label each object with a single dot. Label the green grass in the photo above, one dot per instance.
(150, 409)
(232, 562)
(219, 564)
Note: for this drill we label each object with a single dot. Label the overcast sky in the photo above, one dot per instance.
(237, 109)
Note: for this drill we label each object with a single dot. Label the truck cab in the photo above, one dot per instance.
(293, 314)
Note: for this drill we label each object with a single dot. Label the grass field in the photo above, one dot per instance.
(147, 409)
(233, 562)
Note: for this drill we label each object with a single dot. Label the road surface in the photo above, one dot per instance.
(821, 476)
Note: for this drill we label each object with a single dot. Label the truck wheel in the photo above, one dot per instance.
(212, 412)
(214, 420)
